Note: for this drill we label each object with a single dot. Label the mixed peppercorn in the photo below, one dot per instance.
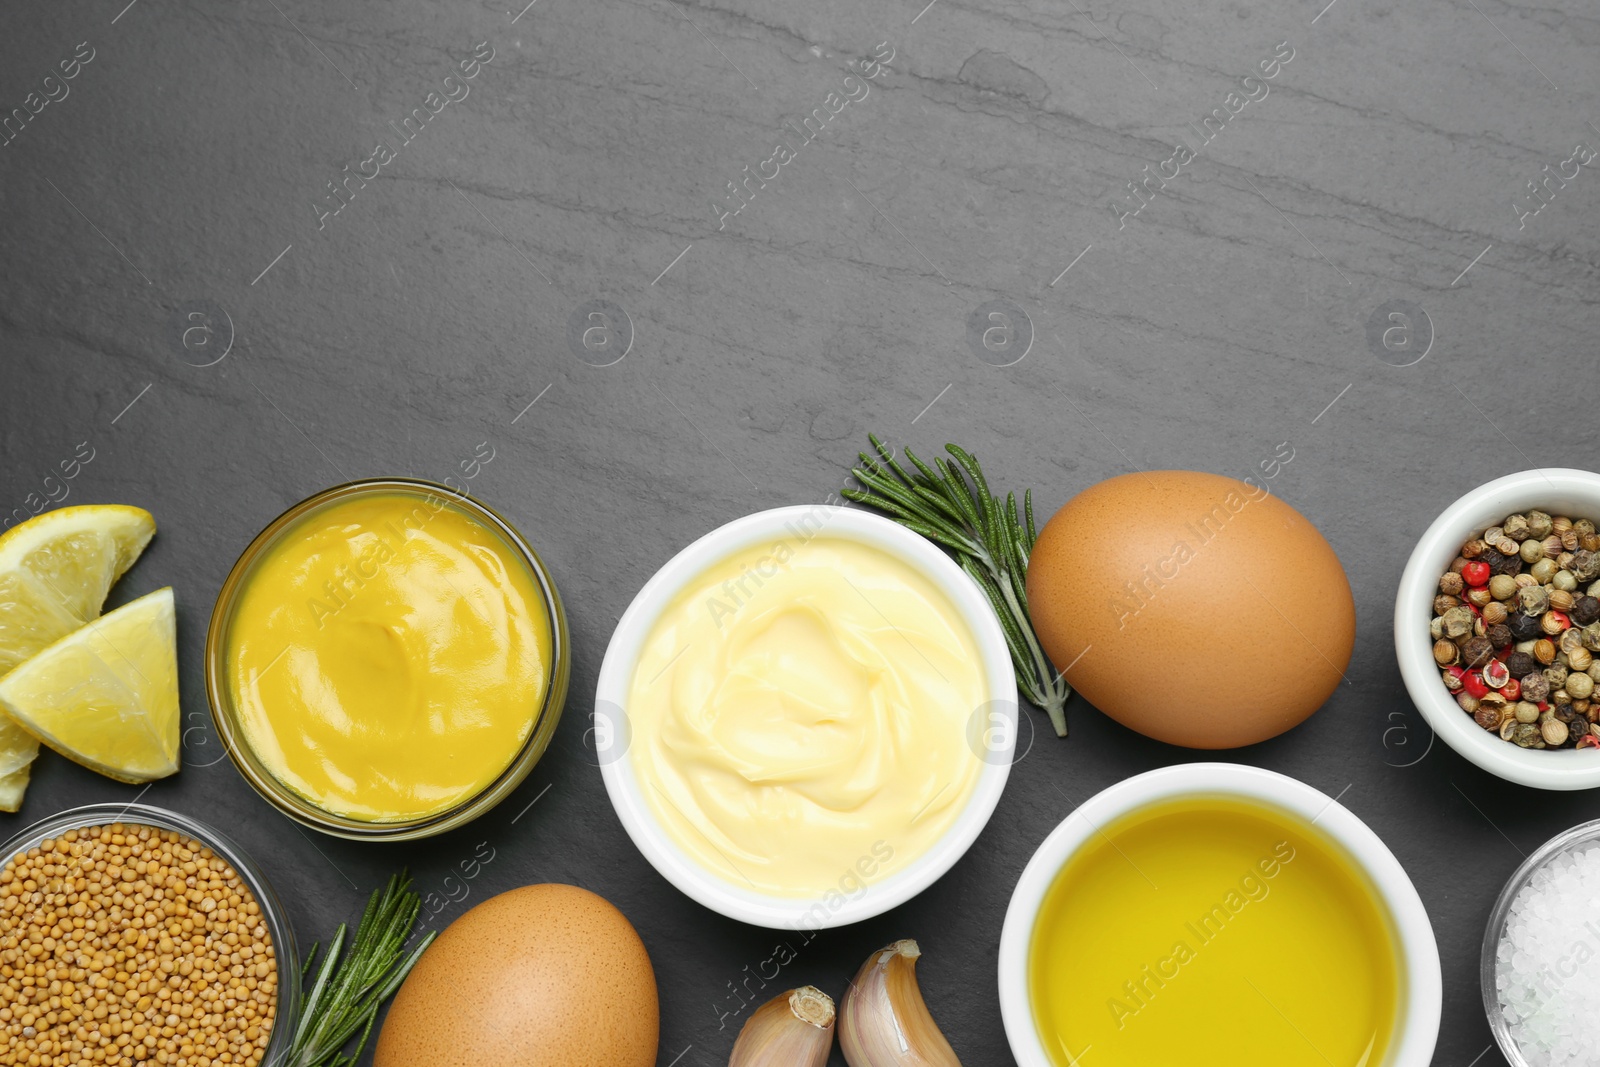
(1516, 630)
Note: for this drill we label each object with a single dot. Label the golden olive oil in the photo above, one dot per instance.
(1213, 932)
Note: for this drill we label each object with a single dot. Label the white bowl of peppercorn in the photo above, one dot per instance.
(1497, 627)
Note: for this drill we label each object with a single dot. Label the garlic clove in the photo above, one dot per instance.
(793, 1029)
(884, 1021)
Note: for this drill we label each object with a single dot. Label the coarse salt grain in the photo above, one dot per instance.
(1548, 962)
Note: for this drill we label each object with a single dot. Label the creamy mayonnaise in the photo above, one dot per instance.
(800, 714)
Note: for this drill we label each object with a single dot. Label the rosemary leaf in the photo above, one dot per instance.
(351, 987)
(950, 503)
(910, 503)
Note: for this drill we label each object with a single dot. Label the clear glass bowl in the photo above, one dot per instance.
(287, 1013)
(1583, 834)
(300, 808)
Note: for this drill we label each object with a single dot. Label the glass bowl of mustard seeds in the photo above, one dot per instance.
(151, 937)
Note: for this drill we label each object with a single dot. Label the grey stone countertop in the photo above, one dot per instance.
(180, 293)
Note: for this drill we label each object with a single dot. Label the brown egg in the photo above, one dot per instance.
(543, 976)
(1193, 608)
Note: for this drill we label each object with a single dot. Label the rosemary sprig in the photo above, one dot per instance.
(347, 993)
(950, 503)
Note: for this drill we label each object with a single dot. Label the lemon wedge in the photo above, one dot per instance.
(56, 568)
(106, 695)
(17, 751)
(13, 785)
(55, 571)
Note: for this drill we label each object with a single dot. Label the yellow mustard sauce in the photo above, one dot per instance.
(800, 715)
(388, 656)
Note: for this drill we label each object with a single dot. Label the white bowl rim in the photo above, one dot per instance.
(800, 913)
(1418, 1026)
(1474, 511)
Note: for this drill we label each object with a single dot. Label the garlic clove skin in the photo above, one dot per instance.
(884, 1021)
(793, 1029)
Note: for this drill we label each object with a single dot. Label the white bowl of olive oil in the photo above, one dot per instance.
(1217, 914)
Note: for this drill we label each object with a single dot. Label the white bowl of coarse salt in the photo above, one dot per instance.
(1541, 955)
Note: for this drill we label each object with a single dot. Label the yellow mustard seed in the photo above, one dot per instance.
(129, 946)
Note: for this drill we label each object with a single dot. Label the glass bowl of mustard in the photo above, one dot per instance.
(160, 828)
(387, 660)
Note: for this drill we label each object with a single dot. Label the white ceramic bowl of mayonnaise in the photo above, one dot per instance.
(971, 748)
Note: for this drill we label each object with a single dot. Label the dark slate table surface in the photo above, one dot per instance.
(179, 293)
